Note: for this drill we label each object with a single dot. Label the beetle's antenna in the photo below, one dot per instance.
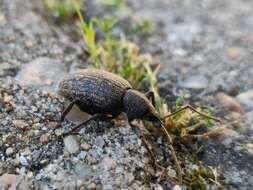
(195, 110)
(178, 167)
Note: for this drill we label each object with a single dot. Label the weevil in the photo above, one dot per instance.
(106, 95)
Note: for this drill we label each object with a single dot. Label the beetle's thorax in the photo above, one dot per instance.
(136, 105)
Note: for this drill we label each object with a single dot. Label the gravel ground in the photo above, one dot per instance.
(205, 49)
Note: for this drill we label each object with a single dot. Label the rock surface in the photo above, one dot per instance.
(41, 72)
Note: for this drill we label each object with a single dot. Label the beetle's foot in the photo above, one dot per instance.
(57, 125)
(54, 118)
(158, 167)
(160, 171)
(63, 135)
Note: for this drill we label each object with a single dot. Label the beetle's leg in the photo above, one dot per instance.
(66, 110)
(82, 124)
(193, 109)
(138, 131)
(151, 96)
(64, 113)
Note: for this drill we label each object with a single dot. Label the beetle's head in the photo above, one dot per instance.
(137, 106)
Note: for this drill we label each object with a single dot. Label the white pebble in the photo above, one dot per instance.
(177, 187)
(71, 144)
(9, 151)
(23, 161)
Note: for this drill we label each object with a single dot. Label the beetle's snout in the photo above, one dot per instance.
(158, 122)
(154, 118)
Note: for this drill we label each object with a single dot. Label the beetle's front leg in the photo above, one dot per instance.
(67, 110)
(137, 130)
(64, 114)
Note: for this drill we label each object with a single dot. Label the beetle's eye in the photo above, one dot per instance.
(147, 116)
(64, 86)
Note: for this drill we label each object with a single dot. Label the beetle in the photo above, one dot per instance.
(106, 95)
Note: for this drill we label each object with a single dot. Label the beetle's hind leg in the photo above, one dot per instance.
(82, 124)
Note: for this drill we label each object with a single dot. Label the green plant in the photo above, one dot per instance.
(187, 121)
(114, 3)
(106, 24)
(123, 57)
(141, 26)
(61, 9)
(151, 77)
(115, 55)
(138, 25)
(200, 177)
(89, 36)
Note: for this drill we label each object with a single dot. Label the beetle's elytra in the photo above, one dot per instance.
(101, 92)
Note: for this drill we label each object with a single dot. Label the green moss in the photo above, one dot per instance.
(199, 178)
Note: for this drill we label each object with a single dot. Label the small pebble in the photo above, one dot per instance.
(82, 155)
(20, 124)
(2, 19)
(52, 124)
(91, 160)
(246, 99)
(91, 186)
(21, 113)
(9, 151)
(177, 187)
(83, 171)
(71, 144)
(29, 44)
(44, 138)
(99, 141)
(172, 173)
(157, 187)
(229, 103)
(194, 82)
(109, 163)
(8, 181)
(233, 53)
(23, 161)
(85, 146)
